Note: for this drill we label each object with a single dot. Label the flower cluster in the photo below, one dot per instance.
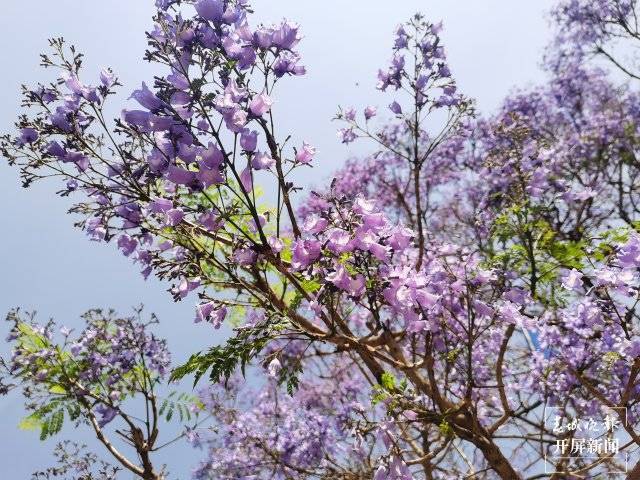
(418, 67)
(111, 360)
(187, 158)
(402, 305)
(585, 28)
(427, 75)
(286, 434)
(592, 336)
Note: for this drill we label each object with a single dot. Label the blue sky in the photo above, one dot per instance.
(48, 266)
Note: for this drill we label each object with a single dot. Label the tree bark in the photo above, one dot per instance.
(634, 474)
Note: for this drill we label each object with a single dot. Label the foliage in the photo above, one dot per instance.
(417, 317)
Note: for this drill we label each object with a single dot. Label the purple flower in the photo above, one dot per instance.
(347, 135)
(233, 14)
(245, 256)
(314, 224)
(139, 118)
(185, 286)
(210, 221)
(211, 10)
(263, 37)
(46, 94)
(212, 157)
(260, 104)
(187, 152)
(59, 119)
(510, 313)
(286, 37)
(208, 177)
(247, 58)
(233, 45)
(56, 150)
(28, 135)
(193, 437)
(573, 280)
(402, 39)
(95, 229)
(306, 154)
(81, 90)
(381, 473)
(443, 71)
(246, 179)
(276, 244)
(147, 99)
(78, 158)
(395, 108)
(370, 112)
(127, 244)
(262, 161)
(274, 368)
(400, 238)
(204, 311)
(174, 217)
(178, 80)
(180, 176)
(305, 252)
(339, 241)
(341, 279)
(350, 114)
(249, 140)
(218, 317)
(107, 414)
(363, 206)
(180, 98)
(107, 78)
(629, 255)
(160, 205)
(398, 470)
(374, 221)
(235, 120)
(287, 64)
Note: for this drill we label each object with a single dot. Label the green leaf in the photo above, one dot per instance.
(32, 422)
(222, 361)
(310, 285)
(182, 402)
(388, 381)
(44, 429)
(378, 395)
(56, 422)
(163, 407)
(58, 390)
(445, 428)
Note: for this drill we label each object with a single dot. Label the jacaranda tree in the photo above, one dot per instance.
(424, 316)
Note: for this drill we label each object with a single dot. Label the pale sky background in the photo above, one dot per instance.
(48, 266)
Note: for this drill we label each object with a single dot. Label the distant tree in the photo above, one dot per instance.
(451, 306)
